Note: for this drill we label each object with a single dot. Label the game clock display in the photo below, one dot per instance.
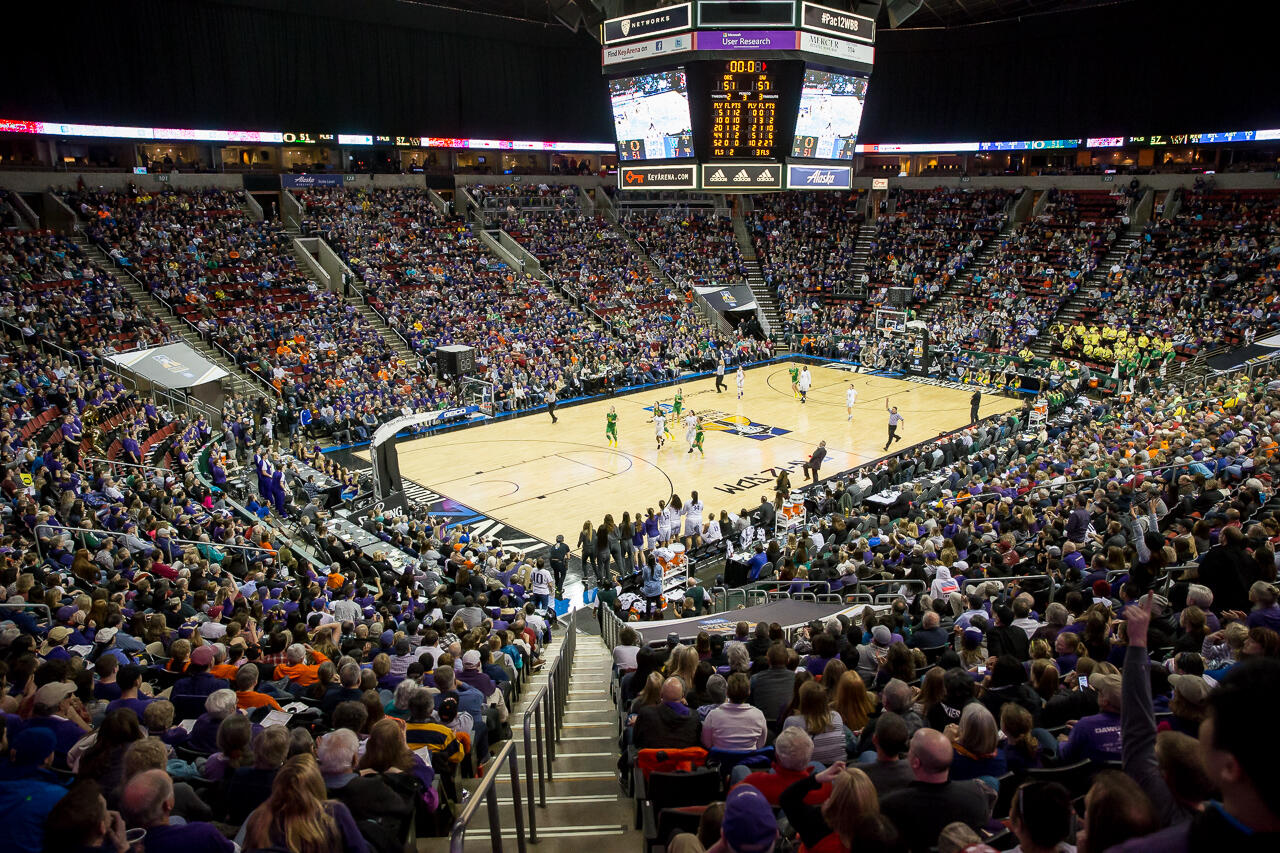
(744, 109)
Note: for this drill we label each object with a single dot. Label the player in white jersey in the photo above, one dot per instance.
(742, 381)
(668, 523)
(850, 397)
(659, 426)
(692, 512)
(803, 385)
(690, 429)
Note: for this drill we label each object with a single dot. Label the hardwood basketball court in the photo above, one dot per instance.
(547, 479)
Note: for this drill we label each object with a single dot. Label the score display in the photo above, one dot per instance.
(744, 113)
(651, 116)
(830, 114)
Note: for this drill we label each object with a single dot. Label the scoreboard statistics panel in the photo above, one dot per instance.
(744, 110)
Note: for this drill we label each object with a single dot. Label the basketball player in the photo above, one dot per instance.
(804, 383)
(668, 523)
(611, 427)
(659, 426)
(742, 381)
(895, 420)
(795, 380)
(677, 405)
(692, 512)
(697, 438)
(850, 398)
(690, 428)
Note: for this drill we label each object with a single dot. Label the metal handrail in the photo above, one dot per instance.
(22, 605)
(487, 790)
(546, 712)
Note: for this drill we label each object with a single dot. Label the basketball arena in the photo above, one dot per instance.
(744, 426)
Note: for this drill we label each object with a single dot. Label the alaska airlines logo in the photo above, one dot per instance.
(821, 176)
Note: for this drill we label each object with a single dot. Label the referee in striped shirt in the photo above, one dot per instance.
(894, 420)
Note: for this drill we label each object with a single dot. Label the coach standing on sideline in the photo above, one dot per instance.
(895, 420)
(810, 468)
(551, 403)
(974, 402)
(720, 386)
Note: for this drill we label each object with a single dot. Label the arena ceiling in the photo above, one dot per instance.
(932, 13)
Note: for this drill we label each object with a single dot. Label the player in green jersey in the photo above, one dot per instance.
(677, 405)
(697, 439)
(795, 380)
(611, 427)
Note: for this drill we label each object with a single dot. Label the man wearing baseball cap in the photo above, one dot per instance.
(472, 675)
(748, 825)
(198, 681)
(55, 711)
(1097, 737)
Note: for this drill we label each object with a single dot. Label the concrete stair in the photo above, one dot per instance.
(178, 328)
(655, 269)
(1071, 311)
(398, 344)
(585, 810)
(862, 249)
(755, 276)
(961, 282)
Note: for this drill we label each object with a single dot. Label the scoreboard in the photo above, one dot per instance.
(744, 110)
(697, 105)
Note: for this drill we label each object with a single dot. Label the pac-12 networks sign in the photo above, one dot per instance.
(671, 19)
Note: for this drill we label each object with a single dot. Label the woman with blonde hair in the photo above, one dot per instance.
(650, 693)
(299, 817)
(686, 665)
(975, 741)
(853, 701)
(850, 812)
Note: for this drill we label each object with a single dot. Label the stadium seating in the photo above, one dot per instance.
(932, 236)
(58, 296)
(804, 242)
(1204, 278)
(1032, 272)
(237, 283)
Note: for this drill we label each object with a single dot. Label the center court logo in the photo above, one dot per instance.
(713, 421)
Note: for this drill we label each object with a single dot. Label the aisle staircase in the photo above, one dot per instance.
(960, 283)
(585, 810)
(178, 328)
(397, 343)
(760, 289)
(1072, 311)
(393, 338)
